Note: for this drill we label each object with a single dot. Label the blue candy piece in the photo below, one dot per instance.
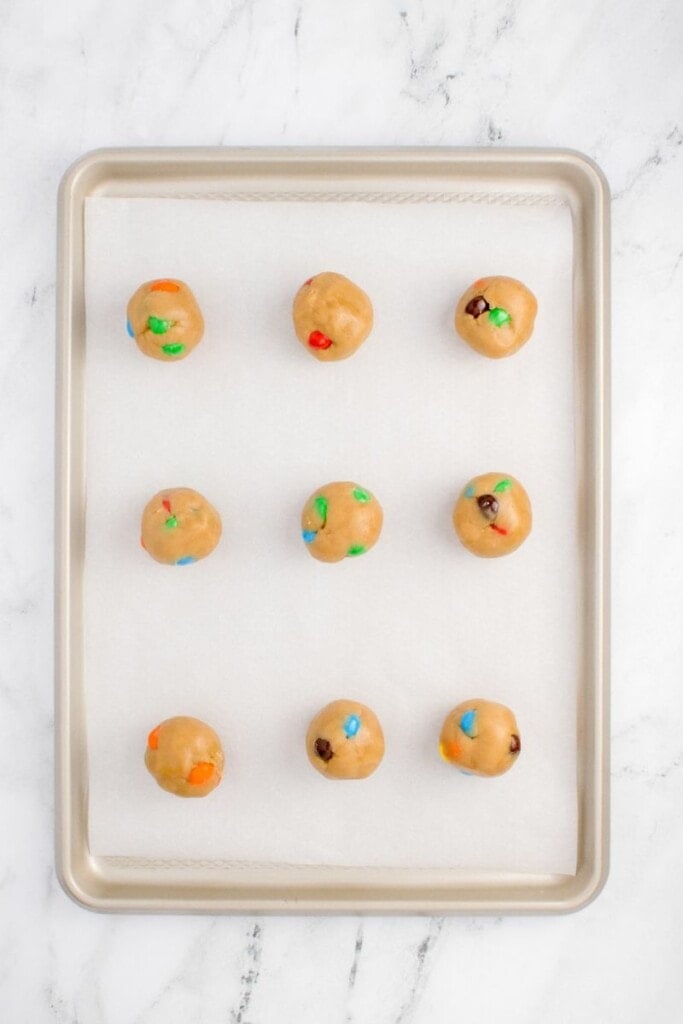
(130, 329)
(468, 724)
(186, 560)
(309, 535)
(463, 772)
(469, 491)
(351, 726)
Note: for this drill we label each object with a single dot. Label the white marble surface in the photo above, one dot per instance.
(605, 78)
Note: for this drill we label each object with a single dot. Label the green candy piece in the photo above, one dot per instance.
(171, 522)
(320, 505)
(502, 485)
(499, 316)
(361, 495)
(355, 549)
(173, 349)
(158, 326)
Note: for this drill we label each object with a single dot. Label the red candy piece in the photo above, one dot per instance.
(499, 529)
(309, 280)
(165, 286)
(317, 339)
(167, 505)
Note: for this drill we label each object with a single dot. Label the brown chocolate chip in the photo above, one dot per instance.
(476, 306)
(323, 749)
(488, 506)
(515, 744)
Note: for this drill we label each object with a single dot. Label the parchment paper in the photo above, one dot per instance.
(256, 638)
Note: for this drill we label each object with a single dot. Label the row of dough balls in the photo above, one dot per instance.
(492, 517)
(343, 741)
(333, 317)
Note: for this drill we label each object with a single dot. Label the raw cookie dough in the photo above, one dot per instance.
(179, 526)
(185, 756)
(165, 320)
(492, 516)
(496, 316)
(332, 316)
(345, 740)
(480, 737)
(341, 520)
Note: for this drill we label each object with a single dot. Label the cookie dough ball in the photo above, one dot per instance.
(492, 516)
(332, 316)
(185, 756)
(341, 520)
(345, 741)
(165, 320)
(179, 526)
(496, 316)
(480, 737)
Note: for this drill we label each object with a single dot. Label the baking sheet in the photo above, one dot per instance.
(259, 636)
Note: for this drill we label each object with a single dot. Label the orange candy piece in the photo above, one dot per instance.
(165, 286)
(449, 751)
(153, 738)
(479, 283)
(201, 773)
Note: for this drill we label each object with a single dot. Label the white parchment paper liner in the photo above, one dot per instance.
(259, 636)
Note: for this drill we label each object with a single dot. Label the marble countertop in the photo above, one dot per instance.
(605, 78)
